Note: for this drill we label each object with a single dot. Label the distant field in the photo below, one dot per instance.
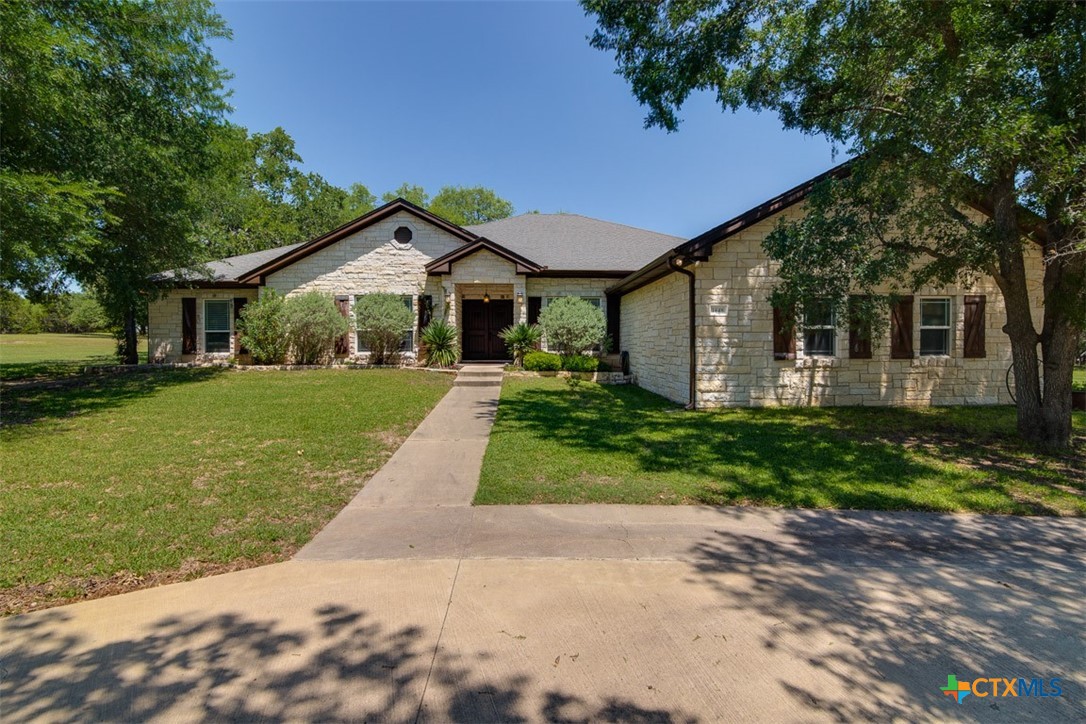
(41, 356)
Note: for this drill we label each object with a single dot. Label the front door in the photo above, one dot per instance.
(482, 322)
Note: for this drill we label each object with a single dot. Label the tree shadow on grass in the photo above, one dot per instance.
(21, 407)
(859, 458)
(890, 605)
(343, 666)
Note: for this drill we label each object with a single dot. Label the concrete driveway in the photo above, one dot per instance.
(586, 613)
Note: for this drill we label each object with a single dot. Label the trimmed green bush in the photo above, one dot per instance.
(520, 339)
(312, 324)
(580, 363)
(542, 362)
(572, 325)
(263, 328)
(440, 343)
(381, 319)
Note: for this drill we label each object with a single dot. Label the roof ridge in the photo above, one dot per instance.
(582, 216)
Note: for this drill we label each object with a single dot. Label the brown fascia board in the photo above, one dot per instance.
(379, 214)
(701, 247)
(202, 284)
(443, 264)
(582, 273)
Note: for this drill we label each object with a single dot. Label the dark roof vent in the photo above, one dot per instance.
(402, 235)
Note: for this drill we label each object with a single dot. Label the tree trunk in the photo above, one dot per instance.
(130, 355)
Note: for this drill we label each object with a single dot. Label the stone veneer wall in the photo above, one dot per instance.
(164, 324)
(483, 272)
(371, 261)
(735, 344)
(654, 331)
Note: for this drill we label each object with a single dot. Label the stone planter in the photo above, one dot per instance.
(603, 378)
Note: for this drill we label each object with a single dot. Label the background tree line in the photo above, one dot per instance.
(118, 161)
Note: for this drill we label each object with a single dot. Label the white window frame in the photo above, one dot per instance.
(945, 328)
(808, 328)
(407, 344)
(229, 325)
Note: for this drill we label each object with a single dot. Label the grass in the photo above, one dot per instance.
(1079, 377)
(43, 356)
(556, 443)
(134, 480)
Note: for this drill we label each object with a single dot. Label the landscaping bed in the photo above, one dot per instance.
(557, 443)
(128, 481)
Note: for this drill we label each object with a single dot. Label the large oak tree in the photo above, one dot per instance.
(945, 105)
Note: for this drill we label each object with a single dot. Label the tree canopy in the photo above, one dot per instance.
(944, 105)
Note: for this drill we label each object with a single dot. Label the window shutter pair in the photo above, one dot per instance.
(901, 328)
(426, 311)
(859, 332)
(343, 341)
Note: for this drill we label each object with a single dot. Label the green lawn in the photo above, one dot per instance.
(132, 480)
(1080, 375)
(553, 443)
(40, 356)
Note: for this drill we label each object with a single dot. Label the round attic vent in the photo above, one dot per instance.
(402, 235)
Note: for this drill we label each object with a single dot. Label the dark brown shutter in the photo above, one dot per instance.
(343, 342)
(859, 332)
(188, 325)
(974, 326)
(426, 311)
(535, 304)
(614, 320)
(784, 334)
(901, 329)
(239, 304)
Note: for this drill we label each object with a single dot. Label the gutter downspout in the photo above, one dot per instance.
(675, 263)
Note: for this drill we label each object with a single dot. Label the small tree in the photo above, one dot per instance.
(263, 328)
(381, 320)
(313, 323)
(521, 339)
(572, 325)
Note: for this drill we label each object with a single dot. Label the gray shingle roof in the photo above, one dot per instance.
(228, 269)
(571, 242)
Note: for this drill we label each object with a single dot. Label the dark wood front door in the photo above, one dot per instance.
(482, 322)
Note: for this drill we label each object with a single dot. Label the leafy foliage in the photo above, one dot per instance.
(381, 320)
(572, 325)
(520, 339)
(580, 363)
(944, 105)
(542, 362)
(67, 313)
(439, 340)
(263, 327)
(312, 325)
(467, 205)
(106, 114)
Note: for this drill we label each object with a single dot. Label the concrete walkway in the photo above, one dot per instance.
(414, 606)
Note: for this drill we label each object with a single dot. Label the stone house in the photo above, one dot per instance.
(693, 317)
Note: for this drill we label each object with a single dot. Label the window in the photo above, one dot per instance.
(819, 330)
(402, 235)
(217, 325)
(407, 344)
(934, 327)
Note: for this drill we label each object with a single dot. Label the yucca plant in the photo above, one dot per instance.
(442, 349)
(521, 339)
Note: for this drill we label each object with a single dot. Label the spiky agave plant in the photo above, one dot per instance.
(442, 349)
(521, 339)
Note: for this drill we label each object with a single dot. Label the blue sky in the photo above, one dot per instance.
(504, 94)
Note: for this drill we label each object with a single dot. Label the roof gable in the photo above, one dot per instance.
(381, 213)
(443, 265)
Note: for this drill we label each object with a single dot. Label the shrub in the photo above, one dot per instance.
(85, 314)
(263, 328)
(572, 325)
(19, 315)
(312, 324)
(542, 362)
(381, 320)
(520, 339)
(580, 363)
(442, 349)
